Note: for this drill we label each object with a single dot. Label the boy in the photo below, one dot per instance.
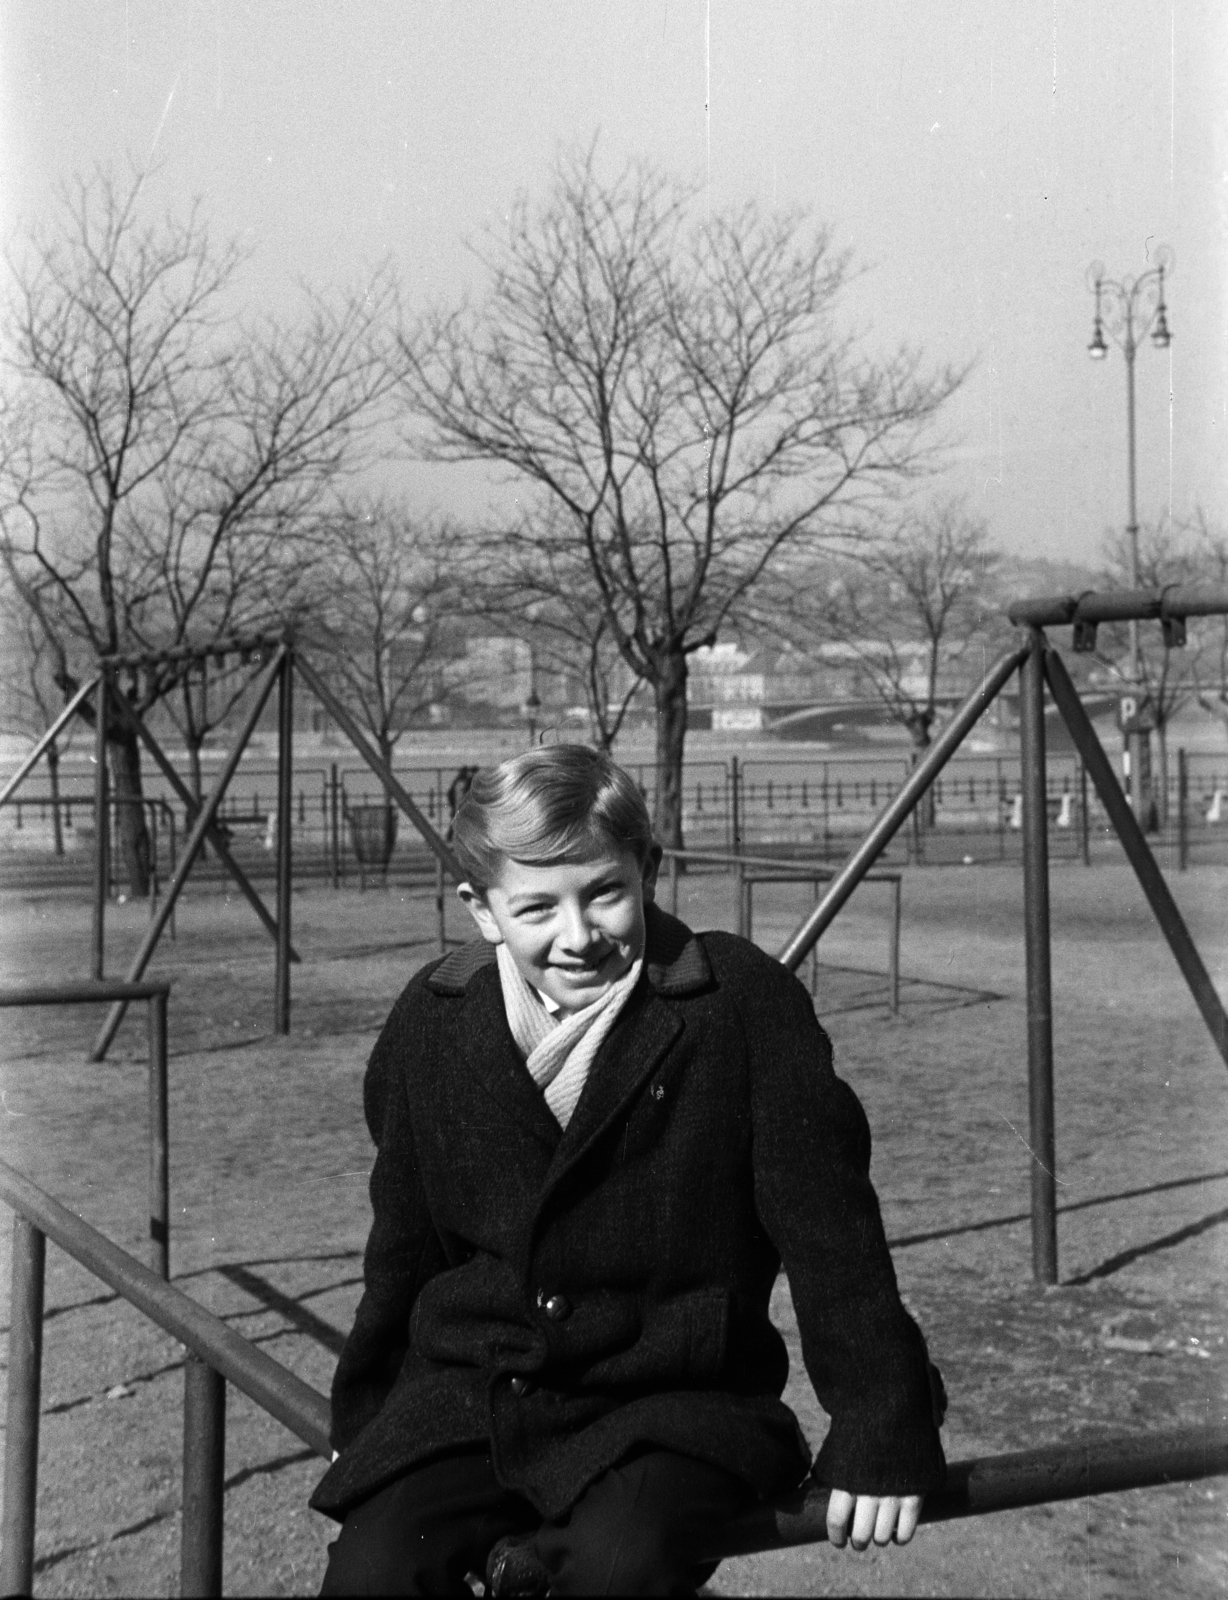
(599, 1136)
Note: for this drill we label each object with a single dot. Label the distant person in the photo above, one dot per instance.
(598, 1137)
(457, 790)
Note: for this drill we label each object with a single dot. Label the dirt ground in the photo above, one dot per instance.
(269, 1162)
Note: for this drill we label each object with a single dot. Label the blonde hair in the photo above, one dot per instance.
(563, 802)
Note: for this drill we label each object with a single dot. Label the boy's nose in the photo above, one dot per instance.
(578, 934)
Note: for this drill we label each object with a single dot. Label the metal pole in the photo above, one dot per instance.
(1039, 978)
(380, 768)
(439, 907)
(735, 814)
(285, 824)
(672, 869)
(101, 827)
(191, 849)
(885, 828)
(24, 1406)
(1146, 869)
(1085, 821)
(159, 1142)
(1183, 819)
(739, 890)
(335, 824)
(48, 738)
(893, 947)
(204, 1460)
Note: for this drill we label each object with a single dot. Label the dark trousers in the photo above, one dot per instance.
(639, 1529)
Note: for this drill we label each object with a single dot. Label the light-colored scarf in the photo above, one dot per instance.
(559, 1051)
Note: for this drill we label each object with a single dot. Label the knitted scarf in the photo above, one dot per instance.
(559, 1051)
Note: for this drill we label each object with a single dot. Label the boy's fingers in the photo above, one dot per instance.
(910, 1513)
(839, 1510)
(884, 1523)
(865, 1517)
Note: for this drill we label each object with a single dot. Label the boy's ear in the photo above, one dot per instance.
(652, 867)
(474, 902)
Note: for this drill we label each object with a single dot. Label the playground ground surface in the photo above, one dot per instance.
(269, 1160)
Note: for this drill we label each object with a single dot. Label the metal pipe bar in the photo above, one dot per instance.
(1146, 868)
(191, 850)
(159, 1142)
(101, 831)
(381, 770)
(800, 864)
(1183, 811)
(294, 1403)
(1009, 1482)
(191, 805)
(285, 823)
(71, 994)
(884, 829)
(24, 1407)
(204, 1466)
(893, 946)
(1042, 1142)
(47, 738)
(1121, 605)
(254, 643)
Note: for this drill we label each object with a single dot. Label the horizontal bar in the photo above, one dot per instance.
(892, 818)
(222, 647)
(301, 1408)
(1105, 1464)
(84, 993)
(782, 863)
(1121, 605)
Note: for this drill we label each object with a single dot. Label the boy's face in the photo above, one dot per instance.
(574, 928)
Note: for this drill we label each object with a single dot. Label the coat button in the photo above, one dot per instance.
(557, 1308)
(522, 1386)
(658, 1091)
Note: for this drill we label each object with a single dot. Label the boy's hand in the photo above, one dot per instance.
(878, 1517)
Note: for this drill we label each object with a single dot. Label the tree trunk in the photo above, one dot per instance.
(53, 773)
(669, 688)
(927, 806)
(127, 796)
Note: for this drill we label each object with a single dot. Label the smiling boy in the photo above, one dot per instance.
(599, 1136)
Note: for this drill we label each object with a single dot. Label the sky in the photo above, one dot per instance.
(975, 157)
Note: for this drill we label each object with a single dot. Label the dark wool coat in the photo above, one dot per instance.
(567, 1295)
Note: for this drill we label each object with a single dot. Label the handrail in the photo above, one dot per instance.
(995, 1483)
(90, 991)
(301, 1408)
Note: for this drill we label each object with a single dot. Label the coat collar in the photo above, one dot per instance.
(674, 960)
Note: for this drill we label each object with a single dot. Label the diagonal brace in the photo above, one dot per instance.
(191, 850)
(31, 761)
(379, 767)
(191, 805)
(1146, 868)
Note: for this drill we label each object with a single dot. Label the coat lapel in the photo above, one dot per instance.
(495, 1062)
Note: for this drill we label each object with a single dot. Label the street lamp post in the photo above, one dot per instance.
(1128, 310)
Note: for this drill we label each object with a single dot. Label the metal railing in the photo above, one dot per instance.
(156, 993)
(747, 871)
(217, 1355)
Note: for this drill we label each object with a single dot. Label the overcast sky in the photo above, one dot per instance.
(975, 157)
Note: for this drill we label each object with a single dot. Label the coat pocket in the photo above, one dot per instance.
(682, 1341)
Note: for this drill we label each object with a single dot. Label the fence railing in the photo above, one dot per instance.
(217, 1355)
(156, 992)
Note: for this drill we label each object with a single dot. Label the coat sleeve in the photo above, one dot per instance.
(402, 1251)
(864, 1354)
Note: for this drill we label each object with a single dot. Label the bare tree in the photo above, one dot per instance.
(675, 386)
(385, 616)
(908, 609)
(166, 453)
(32, 698)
